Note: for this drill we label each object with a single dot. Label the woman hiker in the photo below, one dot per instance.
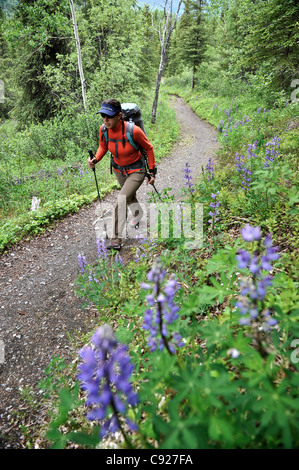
(127, 162)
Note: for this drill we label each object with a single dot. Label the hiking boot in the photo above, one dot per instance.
(114, 245)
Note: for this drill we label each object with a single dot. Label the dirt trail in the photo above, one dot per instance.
(38, 308)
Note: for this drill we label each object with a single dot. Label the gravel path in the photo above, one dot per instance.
(39, 311)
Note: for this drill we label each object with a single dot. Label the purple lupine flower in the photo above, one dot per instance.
(105, 374)
(82, 263)
(246, 173)
(220, 125)
(243, 259)
(118, 259)
(59, 171)
(250, 150)
(101, 248)
(272, 151)
(215, 206)
(269, 321)
(250, 233)
(188, 177)
(210, 170)
(254, 290)
(162, 312)
(270, 255)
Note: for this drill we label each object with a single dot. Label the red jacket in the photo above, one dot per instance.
(126, 155)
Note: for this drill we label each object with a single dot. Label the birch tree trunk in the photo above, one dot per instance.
(164, 31)
(81, 73)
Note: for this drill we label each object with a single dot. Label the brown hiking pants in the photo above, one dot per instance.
(127, 198)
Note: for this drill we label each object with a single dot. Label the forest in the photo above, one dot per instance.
(194, 349)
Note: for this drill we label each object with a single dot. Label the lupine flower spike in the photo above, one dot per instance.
(188, 177)
(272, 151)
(82, 263)
(215, 212)
(105, 374)
(101, 248)
(162, 312)
(253, 291)
(209, 170)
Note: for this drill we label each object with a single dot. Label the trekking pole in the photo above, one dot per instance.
(156, 190)
(95, 177)
(149, 178)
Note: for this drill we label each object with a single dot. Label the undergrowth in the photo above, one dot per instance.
(198, 348)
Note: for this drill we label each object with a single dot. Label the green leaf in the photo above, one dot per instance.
(89, 440)
(220, 429)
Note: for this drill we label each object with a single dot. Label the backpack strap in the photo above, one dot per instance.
(129, 135)
(130, 127)
(141, 163)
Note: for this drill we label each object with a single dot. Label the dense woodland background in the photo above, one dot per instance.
(225, 48)
(250, 43)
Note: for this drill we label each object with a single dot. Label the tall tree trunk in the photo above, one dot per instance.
(81, 73)
(193, 78)
(158, 83)
(168, 27)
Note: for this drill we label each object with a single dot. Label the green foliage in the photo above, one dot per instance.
(230, 385)
(249, 44)
(205, 396)
(116, 58)
(34, 37)
(32, 223)
(189, 44)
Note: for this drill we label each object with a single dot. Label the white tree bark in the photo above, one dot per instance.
(81, 73)
(165, 30)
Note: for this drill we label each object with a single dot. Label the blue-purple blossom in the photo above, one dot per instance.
(253, 290)
(272, 151)
(188, 177)
(82, 263)
(101, 248)
(250, 233)
(105, 374)
(246, 172)
(269, 322)
(209, 170)
(215, 205)
(162, 312)
(118, 259)
(251, 150)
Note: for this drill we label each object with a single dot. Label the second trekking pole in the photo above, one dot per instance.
(95, 177)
